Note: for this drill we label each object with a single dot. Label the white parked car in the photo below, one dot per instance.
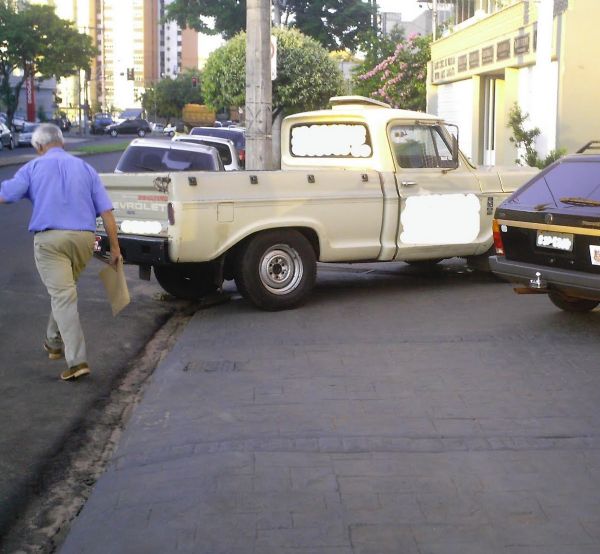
(225, 147)
(165, 156)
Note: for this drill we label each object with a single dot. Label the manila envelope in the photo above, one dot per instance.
(116, 287)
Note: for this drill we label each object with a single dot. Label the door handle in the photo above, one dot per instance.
(408, 183)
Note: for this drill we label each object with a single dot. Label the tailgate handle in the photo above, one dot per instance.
(408, 183)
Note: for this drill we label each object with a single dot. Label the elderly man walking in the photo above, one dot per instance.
(67, 197)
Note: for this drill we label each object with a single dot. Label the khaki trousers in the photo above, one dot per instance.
(60, 257)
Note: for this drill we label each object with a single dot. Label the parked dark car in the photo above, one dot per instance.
(236, 134)
(100, 122)
(150, 155)
(139, 127)
(547, 234)
(63, 123)
(7, 138)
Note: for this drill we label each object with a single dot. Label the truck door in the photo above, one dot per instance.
(440, 204)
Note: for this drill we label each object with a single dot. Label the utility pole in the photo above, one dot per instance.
(434, 19)
(258, 85)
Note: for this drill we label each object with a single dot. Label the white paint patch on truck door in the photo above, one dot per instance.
(440, 219)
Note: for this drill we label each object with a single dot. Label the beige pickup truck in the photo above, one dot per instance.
(360, 182)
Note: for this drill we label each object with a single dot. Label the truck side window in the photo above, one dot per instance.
(419, 146)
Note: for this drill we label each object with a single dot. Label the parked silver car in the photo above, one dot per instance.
(225, 147)
(24, 137)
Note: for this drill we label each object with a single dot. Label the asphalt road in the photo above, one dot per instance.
(37, 410)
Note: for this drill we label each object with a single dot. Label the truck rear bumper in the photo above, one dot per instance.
(135, 249)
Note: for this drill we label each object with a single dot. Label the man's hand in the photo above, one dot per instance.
(110, 226)
(115, 258)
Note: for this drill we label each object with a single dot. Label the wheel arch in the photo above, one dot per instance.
(231, 255)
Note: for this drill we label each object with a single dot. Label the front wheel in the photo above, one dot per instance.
(276, 270)
(571, 303)
(186, 281)
(12, 144)
(114, 133)
(141, 133)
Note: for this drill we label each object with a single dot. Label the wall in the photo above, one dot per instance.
(579, 75)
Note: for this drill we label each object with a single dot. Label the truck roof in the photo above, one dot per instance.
(360, 107)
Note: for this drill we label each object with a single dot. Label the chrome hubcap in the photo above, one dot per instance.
(281, 269)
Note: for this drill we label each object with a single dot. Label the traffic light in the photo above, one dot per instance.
(131, 74)
(194, 82)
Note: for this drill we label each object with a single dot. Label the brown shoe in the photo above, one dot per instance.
(53, 353)
(75, 372)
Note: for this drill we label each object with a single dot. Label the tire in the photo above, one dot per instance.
(12, 144)
(171, 133)
(141, 133)
(114, 133)
(276, 270)
(186, 281)
(482, 261)
(571, 303)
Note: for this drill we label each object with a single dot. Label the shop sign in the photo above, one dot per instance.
(474, 59)
(521, 44)
(487, 55)
(503, 50)
(444, 69)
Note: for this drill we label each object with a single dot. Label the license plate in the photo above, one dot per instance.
(555, 241)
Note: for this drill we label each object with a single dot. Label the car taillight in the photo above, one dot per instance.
(497, 238)
(242, 156)
(171, 213)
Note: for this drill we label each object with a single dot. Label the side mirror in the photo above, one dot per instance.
(453, 133)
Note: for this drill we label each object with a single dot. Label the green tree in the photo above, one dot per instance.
(395, 71)
(306, 76)
(524, 139)
(168, 96)
(334, 23)
(34, 41)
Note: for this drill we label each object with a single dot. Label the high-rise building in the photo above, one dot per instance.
(135, 50)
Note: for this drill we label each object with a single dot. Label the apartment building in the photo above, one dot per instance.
(538, 54)
(135, 50)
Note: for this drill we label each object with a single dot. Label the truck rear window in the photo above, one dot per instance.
(143, 159)
(330, 140)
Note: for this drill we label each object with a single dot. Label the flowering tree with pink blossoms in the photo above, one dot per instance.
(395, 72)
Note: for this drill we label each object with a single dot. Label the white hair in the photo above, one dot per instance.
(45, 134)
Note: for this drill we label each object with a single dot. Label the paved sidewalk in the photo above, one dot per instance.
(362, 423)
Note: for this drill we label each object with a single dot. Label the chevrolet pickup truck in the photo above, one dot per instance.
(360, 182)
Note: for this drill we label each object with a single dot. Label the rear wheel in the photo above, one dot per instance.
(141, 133)
(570, 303)
(114, 133)
(12, 144)
(186, 281)
(276, 270)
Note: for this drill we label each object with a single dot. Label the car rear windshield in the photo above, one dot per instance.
(560, 184)
(237, 137)
(142, 159)
(222, 149)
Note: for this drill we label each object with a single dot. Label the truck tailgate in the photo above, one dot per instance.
(140, 207)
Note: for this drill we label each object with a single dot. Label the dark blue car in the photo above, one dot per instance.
(547, 234)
